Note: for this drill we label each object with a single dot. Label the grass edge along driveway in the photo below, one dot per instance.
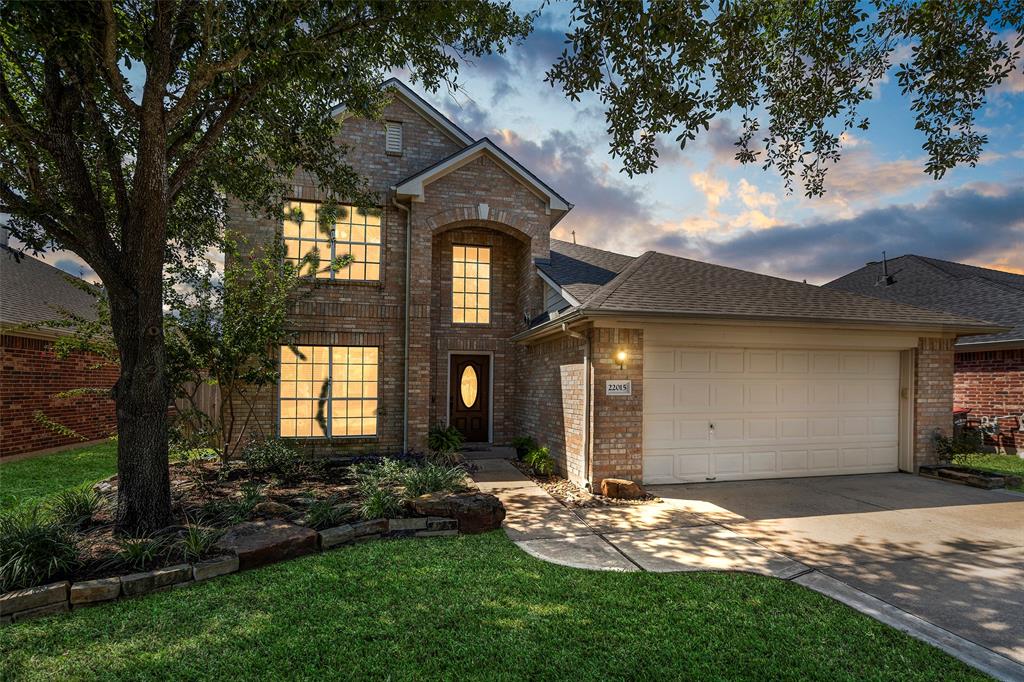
(469, 607)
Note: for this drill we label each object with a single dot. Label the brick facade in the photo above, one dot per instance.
(991, 384)
(514, 222)
(616, 434)
(550, 401)
(933, 396)
(30, 375)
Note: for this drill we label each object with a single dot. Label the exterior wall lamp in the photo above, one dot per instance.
(620, 358)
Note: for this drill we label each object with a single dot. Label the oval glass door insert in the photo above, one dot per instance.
(468, 386)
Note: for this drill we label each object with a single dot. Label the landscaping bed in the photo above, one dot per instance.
(272, 506)
(573, 496)
(976, 478)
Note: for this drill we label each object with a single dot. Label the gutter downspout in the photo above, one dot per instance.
(405, 348)
(586, 401)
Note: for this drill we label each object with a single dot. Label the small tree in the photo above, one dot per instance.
(225, 330)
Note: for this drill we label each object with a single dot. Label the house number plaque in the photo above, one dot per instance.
(618, 387)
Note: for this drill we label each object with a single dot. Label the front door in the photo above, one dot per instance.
(469, 396)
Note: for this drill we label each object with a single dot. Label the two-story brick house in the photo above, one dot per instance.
(460, 308)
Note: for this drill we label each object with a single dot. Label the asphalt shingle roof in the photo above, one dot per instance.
(32, 291)
(581, 270)
(954, 288)
(657, 283)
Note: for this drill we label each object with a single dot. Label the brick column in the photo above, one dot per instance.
(933, 396)
(420, 288)
(616, 433)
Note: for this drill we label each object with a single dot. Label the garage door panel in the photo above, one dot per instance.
(727, 396)
(695, 361)
(729, 362)
(776, 412)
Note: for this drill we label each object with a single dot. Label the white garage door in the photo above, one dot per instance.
(733, 414)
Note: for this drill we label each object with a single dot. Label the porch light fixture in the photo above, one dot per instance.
(620, 358)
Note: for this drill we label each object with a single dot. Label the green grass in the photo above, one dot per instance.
(1000, 464)
(34, 480)
(469, 607)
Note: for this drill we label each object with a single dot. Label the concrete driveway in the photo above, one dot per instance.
(949, 554)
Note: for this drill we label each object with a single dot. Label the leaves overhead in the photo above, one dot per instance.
(797, 73)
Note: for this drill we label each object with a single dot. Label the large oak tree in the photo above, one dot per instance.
(126, 124)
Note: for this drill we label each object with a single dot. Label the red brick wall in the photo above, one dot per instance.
(933, 396)
(991, 383)
(617, 421)
(30, 375)
(549, 402)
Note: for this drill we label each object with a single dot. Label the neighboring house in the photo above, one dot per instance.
(460, 308)
(989, 369)
(31, 374)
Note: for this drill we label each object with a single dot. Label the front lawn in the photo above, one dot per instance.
(1000, 464)
(33, 480)
(469, 607)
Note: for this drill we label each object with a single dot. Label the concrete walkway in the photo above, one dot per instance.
(700, 532)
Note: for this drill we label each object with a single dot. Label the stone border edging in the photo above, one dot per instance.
(65, 596)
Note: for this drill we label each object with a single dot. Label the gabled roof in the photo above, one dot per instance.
(581, 270)
(409, 96)
(32, 291)
(954, 288)
(657, 284)
(414, 186)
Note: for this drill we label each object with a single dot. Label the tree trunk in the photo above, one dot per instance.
(142, 399)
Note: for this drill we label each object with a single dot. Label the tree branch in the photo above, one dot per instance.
(114, 76)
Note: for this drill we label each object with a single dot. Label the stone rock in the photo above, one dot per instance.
(272, 509)
(141, 583)
(407, 524)
(107, 485)
(257, 543)
(34, 597)
(374, 527)
(332, 537)
(48, 610)
(621, 488)
(475, 512)
(213, 567)
(436, 533)
(301, 502)
(92, 591)
(441, 523)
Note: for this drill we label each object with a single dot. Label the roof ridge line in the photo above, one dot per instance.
(602, 294)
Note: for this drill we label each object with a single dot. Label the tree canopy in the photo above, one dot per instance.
(797, 72)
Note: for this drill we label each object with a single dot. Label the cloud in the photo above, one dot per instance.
(971, 224)
(715, 189)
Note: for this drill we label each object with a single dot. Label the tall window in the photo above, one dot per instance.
(471, 284)
(332, 386)
(309, 225)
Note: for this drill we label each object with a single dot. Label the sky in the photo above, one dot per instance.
(701, 203)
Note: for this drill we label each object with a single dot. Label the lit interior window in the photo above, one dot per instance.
(471, 284)
(344, 378)
(355, 231)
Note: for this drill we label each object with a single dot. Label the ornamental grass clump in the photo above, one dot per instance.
(433, 478)
(329, 513)
(34, 549)
(76, 507)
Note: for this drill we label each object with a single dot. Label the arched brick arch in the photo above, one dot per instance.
(499, 220)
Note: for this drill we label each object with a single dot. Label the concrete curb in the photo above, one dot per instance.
(974, 655)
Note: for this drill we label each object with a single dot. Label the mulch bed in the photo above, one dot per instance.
(573, 496)
(197, 488)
